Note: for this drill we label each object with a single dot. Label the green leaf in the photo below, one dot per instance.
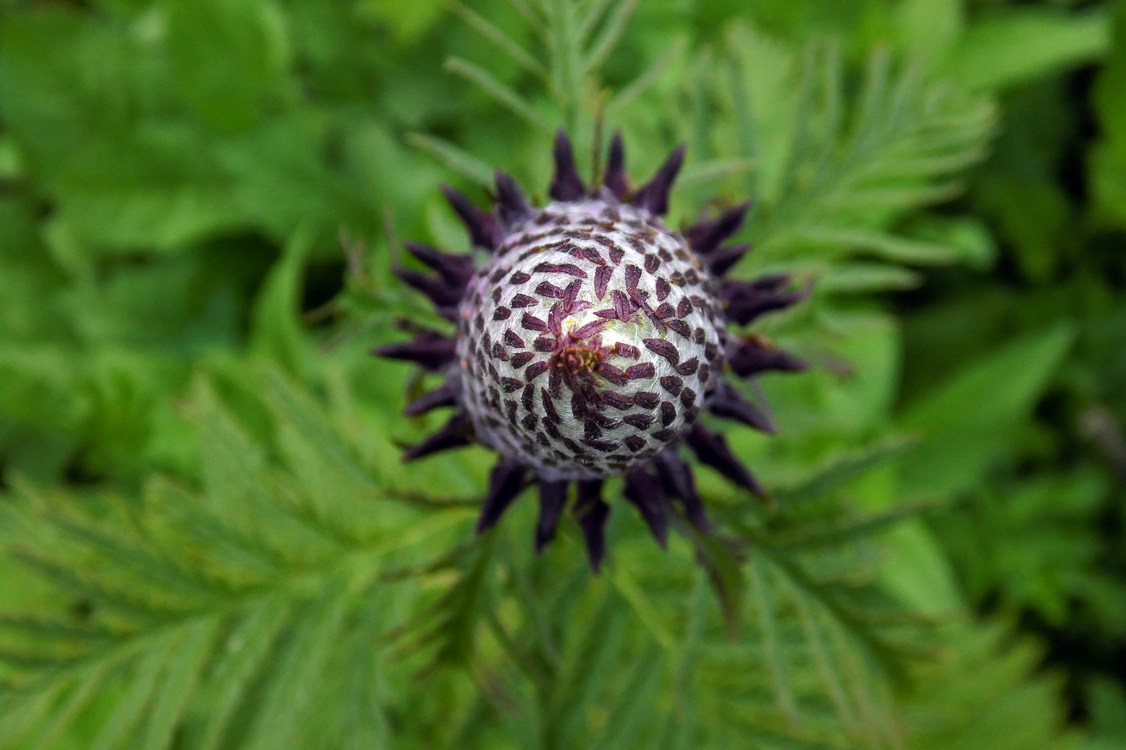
(227, 59)
(833, 171)
(967, 423)
(203, 635)
(1020, 44)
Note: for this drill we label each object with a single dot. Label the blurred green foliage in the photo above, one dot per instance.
(208, 538)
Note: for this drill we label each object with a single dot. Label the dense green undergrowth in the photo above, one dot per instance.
(209, 540)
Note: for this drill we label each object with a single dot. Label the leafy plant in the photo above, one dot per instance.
(210, 541)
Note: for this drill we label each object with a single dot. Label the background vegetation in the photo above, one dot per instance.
(209, 541)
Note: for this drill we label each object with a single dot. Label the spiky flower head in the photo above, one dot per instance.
(590, 342)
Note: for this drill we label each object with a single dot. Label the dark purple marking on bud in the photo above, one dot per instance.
(616, 254)
(619, 401)
(591, 255)
(482, 225)
(626, 350)
(646, 494)
(641, 371)
(430, 349)
(640, 421)
(513, 339)
(633, 276)
(615, 175)
(679, 327)
(602, 280)
(505, 483)
(721, 261)
(502, 313)
(614, 374)
(571, 302)
(521, 359)
(534, 370)
(605, 421)
(555, 382)
(511, 385)
(447, 394)
(675, 474)
(728, 403)
(549, 290)
(654, 195)
(455, 270)
(668, 413)
(755, 356)
(566, 185)
(549, 406)
(712, 450)
(532, 323)
(553, 497)
(589, 329)
(746, 300)
(456, 433)
(652, 263)
(602, 446)
(706, 236)
(663, 348)
(512, 206)
(623, 309)
(568, 268)
(592, 513)
(663, 289)
(688, 367)
(646, 399)
(437, 289)
(672, 384)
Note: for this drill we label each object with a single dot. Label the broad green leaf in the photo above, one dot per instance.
(1019, 44)
(227, 59)
(968, 422)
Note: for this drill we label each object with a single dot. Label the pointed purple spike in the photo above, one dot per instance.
(645, 493)
(593, 513)
(746, 300)
(654, 195)
(553, 496)
(712, 450)
(505, 483)
(447, 394)
(454, 269)
(615, 175)
(566, 185)
(752, 357)
(721, 261)
(455, 433)
(512, 206)
(706, 236)
(482, 225)
(434, 287)
(430, 349)
(728, 403)
(676, 474)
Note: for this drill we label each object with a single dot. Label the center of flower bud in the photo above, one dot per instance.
(577, 361)
(589, 341)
